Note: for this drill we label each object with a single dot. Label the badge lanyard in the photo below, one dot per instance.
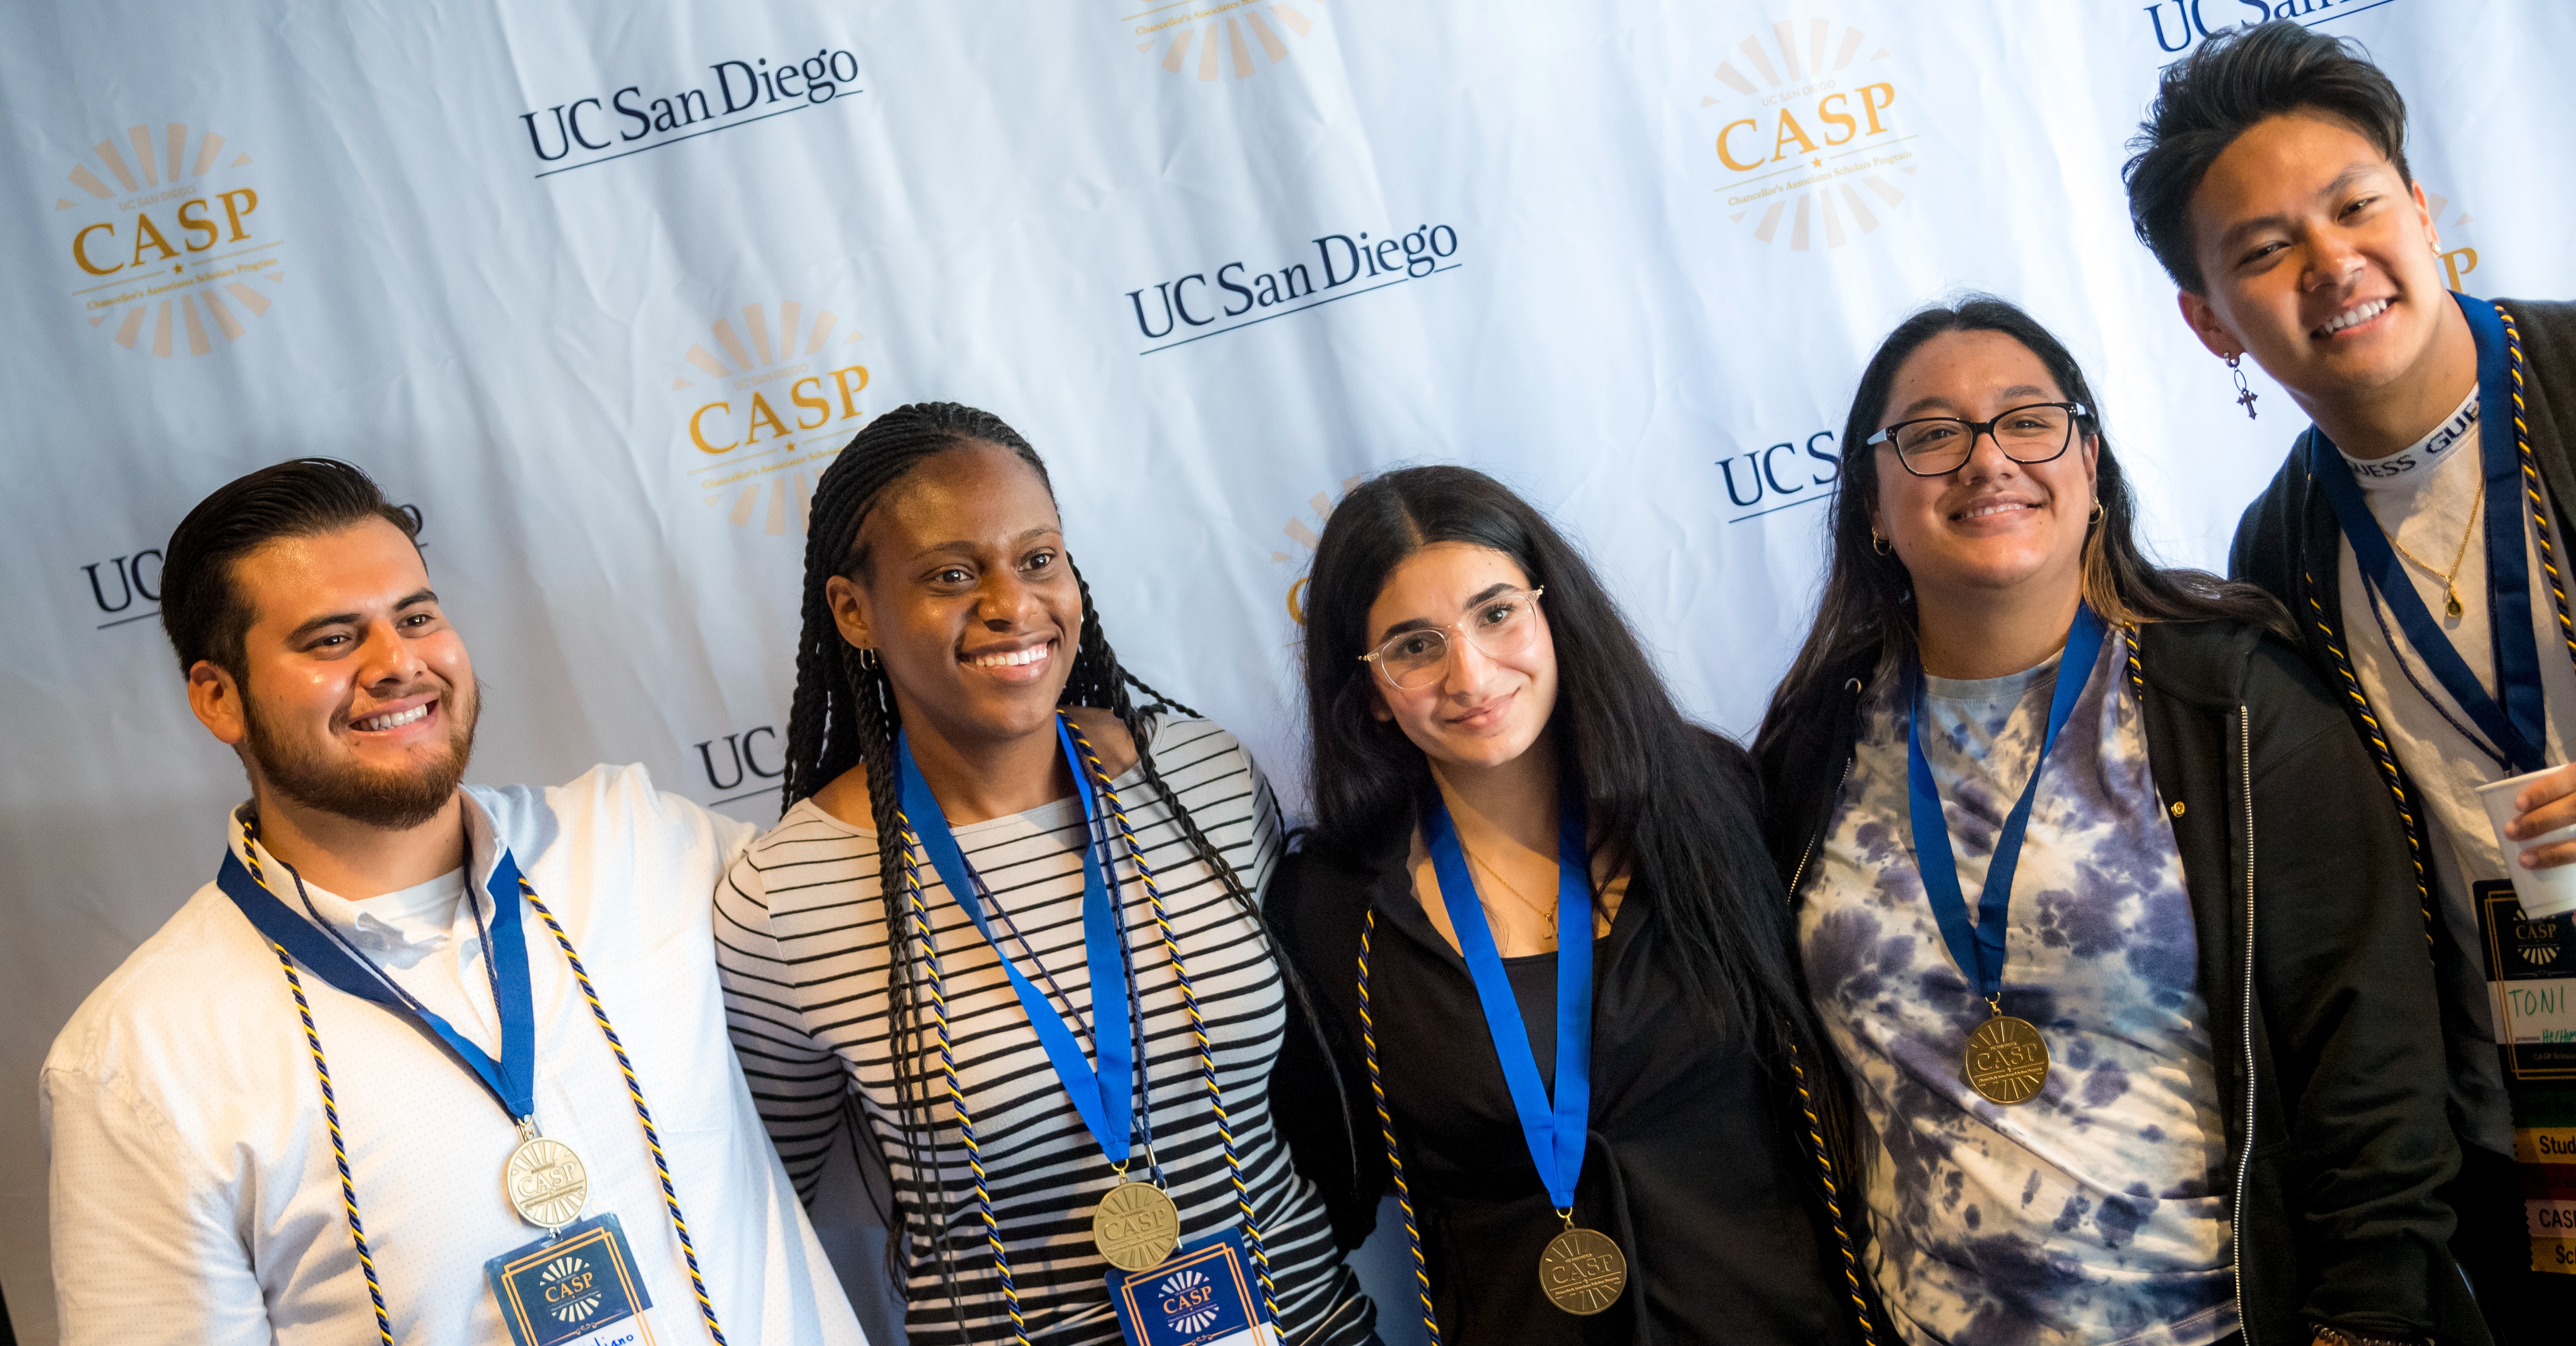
(511, 1080)
(1581, 1272)
(1093, 781)
(1100, 1095)
(2518, 727)
(2007, 1061)
(539, 1181)
(1868, 1333)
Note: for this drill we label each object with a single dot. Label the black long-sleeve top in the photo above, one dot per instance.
(1694, 1164)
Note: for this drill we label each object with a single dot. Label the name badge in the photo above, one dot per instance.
(578, 1288)
(2531, 972)
(1203, 1295)
(2531, 980)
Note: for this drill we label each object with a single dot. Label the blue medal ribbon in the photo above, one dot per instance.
(510, 1080)
(1555, 1134)
(1100, 1095)
(1980, 951)
(2518, 727)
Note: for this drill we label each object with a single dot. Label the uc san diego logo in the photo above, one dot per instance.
(168, 240)
(766, 409)
(1213, 38)
(1810, 135)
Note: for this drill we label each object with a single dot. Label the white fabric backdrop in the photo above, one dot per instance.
(598, 292)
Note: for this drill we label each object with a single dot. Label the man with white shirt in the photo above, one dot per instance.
(426, 1062)
(2416, 534)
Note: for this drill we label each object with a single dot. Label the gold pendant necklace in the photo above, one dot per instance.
(2451, 577)
(1547, 937)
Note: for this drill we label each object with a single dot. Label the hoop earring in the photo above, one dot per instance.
(2244, 395)
(1878, 544)
(867, 658)
(2096, 515)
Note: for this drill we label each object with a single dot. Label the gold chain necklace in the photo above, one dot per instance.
(1548, 937)
(2450, 578)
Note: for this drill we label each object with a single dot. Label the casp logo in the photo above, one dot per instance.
(571, 1288)
(773, 402)
(170, 239)
(1811, 137)
(1188, 1300)
(1305, 538)
(1210, 38)
(2537, 939)
(2457, 262)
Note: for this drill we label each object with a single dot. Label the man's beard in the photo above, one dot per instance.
(392, 800)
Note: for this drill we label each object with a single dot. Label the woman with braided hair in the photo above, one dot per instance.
(1052, 1009)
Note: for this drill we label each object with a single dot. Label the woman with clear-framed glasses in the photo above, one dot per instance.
(1558, 1001)
(2099, 900)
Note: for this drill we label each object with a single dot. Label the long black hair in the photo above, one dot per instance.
(844, 717)
(1868, 595)
(1679, 810)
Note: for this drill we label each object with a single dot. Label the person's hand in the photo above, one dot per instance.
(2545, 805)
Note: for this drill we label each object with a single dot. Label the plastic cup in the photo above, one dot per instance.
(2543, 892)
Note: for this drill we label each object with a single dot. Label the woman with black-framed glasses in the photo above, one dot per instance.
(1559, 999)
(2098, 900)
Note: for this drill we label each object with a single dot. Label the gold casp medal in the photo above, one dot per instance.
(2006, 1061)
(1136, 1226)
(1582, 1271)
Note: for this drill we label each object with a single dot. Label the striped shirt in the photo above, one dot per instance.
(802, 941)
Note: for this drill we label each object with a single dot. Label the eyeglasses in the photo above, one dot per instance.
(1937, 446)
(1498, 626)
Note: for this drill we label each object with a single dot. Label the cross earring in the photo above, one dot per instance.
(2244, 394)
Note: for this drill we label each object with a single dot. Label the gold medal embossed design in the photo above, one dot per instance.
(1136, 1226)
(2006, 1061)
(1582, 1271)
(546, 1183)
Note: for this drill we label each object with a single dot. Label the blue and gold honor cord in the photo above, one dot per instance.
(340, 1150)
(2389, 772)
(1386, 1128)
(918, 918)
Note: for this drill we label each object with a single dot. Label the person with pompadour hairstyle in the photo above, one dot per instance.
(2415, 534)
(362, 1087)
